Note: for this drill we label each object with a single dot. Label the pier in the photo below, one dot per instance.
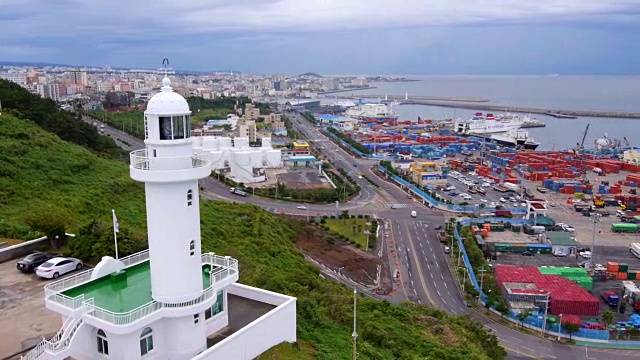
(409, 98)
(557, 113)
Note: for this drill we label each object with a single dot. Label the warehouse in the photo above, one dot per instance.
(561, 241)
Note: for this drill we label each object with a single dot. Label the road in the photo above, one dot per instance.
(425, 275)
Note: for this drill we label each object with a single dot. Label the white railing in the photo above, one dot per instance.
(141, 160)
(57, 343)
(53, 291)
(135, 259)
(223, 267)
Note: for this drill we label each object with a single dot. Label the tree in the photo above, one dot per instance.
(502, 308)
(571, 328)
(607, 317)
(344, 215)
(523, 316)
(52, 221)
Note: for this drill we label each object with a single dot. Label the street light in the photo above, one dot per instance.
(464, 280)
(481, 271)
(559, 326)
(367, 224)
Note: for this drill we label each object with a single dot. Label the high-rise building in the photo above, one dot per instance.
(79, 77)
(170, 302)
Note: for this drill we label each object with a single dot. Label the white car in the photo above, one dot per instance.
(560, 253)
(301, 207)
(57, 266)
(586, 254)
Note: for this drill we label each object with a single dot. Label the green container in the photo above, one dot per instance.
(623, 267)
(516, 228)
(632, 275)
(508, 225)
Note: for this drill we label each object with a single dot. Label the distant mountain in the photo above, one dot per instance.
(311, 74)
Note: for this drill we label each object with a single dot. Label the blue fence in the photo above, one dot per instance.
(535, 320)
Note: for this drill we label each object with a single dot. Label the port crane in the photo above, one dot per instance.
(580, 146)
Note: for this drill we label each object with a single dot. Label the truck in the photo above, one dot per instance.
(504, 213)
(414, 213)
(237, 191)
(634, 248)
(582, 207)
(610, 298)
(500, 188)
(624, 228)
(512, 187)
(630, 219)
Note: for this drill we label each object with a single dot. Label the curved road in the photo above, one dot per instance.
(425, 273)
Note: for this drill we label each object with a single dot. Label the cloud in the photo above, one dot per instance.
(226, 33)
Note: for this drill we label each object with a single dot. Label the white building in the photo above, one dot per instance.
(169, 302)
(234, 156)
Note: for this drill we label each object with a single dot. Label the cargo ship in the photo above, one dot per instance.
(372, 113)
(512, 138)
(489, 124)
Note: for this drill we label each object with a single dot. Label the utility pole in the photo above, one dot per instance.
(559, 327)
(481, 271)
(595, 219)
(355, 334)
(546, 308)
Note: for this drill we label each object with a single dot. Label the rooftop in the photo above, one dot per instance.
(560, 238)
(124, 291)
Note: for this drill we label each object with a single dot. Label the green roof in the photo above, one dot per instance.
(123, 292)
(560, 238)
(543, 221)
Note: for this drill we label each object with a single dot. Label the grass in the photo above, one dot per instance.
(40, 171)
(11, 242)
(345, 227)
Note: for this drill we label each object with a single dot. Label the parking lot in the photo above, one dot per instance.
(22, 304)
(491, 196)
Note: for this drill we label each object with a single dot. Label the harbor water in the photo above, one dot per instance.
(597, 93)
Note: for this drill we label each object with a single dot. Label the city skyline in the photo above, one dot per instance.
(329, 37)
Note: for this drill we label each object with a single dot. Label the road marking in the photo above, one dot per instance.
(442, 277)
(445, 285)
(515, 338)
(438, 291)
(530, 349)
(412, 285)
(428, 267)
(409, 271)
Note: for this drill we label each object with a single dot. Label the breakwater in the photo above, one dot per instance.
(409, 98)
(487, 107)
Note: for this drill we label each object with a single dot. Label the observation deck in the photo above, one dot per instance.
(146, 168)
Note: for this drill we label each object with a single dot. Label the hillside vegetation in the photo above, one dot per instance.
(41, 174)
(48, 116)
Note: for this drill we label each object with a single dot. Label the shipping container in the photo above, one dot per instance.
(613, 266)
(622, 267)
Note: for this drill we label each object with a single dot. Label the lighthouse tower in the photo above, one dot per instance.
(170, 171)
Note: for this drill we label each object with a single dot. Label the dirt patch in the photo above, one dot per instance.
(303, 180)
(338, 255)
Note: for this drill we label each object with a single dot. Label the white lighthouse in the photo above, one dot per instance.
(170, 302)
(170, 172)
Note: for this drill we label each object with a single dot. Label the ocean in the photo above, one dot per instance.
(598, 93)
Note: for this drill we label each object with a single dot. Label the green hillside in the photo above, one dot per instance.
(40, 175)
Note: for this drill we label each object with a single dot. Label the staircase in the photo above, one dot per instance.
(49, 348)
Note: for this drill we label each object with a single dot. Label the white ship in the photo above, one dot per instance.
(489, 124)
(512, 138)
(372, 113)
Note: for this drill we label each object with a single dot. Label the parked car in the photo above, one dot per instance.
(32, 261)
(586, 254)
(560, 254)
(527, 253)
(439, 227)
(57, 266)
(301, 207)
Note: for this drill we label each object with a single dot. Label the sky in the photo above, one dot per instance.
(329, 36)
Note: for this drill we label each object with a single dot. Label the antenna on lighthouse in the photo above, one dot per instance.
(165, 69)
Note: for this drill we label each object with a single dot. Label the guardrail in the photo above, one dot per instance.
(225, 267)
(141, 160)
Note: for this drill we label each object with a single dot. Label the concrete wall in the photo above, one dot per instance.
(271, 329)
(23, 249)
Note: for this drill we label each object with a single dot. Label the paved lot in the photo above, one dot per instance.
(22, 304)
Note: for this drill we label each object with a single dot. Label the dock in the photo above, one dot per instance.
(487, 107)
